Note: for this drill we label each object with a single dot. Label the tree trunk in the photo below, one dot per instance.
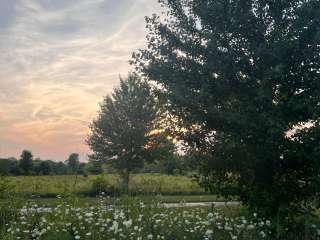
(125, 180)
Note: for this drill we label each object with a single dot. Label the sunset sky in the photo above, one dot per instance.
(58, 59)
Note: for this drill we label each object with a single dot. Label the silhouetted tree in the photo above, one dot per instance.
(5, 167)
(25, 162)
(60, 168)
(14, 168)
(73, 162)
(45, 168)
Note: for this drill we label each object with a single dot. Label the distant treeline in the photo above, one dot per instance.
(12, 166)
(27, 166)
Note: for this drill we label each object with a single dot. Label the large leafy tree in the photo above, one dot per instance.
(125, 133)
(242, 79)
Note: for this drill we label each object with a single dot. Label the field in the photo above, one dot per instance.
(125, 219)
(77, 207)
(141, 184)
(61, 207)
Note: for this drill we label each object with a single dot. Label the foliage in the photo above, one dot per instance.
(129, 219)
(176, 164)
(140, 184)
(45, 168)
(122, 134)
(73, 162)
(242, 80)
(9, 167)
(39, 167)
(166, 162)
(26, 162)
(100, 184)
(94, 167)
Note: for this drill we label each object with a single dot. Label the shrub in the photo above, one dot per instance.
(100, 184)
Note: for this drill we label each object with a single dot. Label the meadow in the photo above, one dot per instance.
(78, 207)
(127, 219)
(140, 184)
(63, 207)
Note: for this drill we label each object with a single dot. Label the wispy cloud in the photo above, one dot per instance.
(58, 58)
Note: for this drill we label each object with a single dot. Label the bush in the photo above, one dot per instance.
(100, 184)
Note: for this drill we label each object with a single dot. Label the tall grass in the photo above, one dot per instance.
(146, 184)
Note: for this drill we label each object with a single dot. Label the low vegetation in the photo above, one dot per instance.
(140, 184)
(128, 219)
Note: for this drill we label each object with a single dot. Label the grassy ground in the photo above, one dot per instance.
(128, 218)
(137, 216)
(141, 184)
(91, 201)
(132, 218)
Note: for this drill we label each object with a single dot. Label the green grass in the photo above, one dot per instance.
(91, 201)
(184, 198)
(135, 218)
(140, 184)
(128, 218)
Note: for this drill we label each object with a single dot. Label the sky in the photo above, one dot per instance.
(58, 59)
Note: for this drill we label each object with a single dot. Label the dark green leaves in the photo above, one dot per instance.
(242, 74)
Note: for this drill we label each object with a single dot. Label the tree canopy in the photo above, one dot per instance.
(125, 132)
(73, 162)
(242, 78)
(25, 162)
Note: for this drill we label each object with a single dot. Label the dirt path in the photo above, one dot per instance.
(200, 204)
